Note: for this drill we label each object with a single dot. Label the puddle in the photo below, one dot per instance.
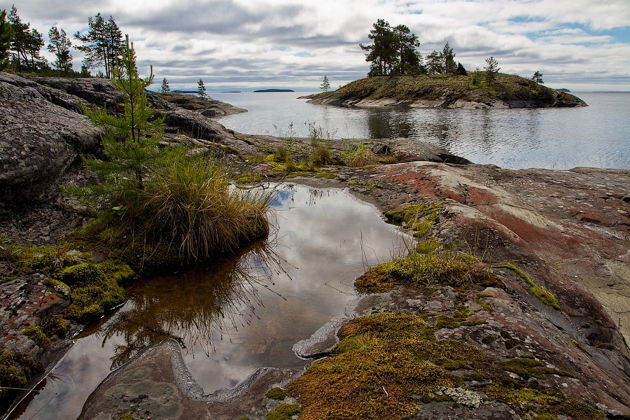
(237, 315)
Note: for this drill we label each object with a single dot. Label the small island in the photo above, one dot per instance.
(400, 76)
(273, 90)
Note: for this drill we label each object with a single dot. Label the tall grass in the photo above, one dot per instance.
(189, 205)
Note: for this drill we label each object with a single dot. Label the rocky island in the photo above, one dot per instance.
(446, 91)
(512, 303)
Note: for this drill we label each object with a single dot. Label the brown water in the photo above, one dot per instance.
(240, 314)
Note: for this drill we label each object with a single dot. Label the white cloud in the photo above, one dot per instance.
(293, 43)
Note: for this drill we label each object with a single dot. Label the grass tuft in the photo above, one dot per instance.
(542, 294)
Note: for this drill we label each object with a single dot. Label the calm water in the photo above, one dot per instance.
(597, 135)
(243, 313)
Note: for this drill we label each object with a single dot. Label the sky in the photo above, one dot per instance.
(244, 44)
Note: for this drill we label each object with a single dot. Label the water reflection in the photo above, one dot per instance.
(242, 313)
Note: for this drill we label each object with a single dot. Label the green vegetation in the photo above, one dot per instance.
(16, 371)
(276, 394)
(102, 44)
(386, 363)
(159, 206)
(284, 412)
(325, 86)
(531, 368)
(201, 89)
(447, 268)
(542, 294)
(417, 217)
(393, 50)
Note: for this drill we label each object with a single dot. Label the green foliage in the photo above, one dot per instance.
(60, 46)
(102, 44)
(491, 69)
(6, 33)
(393, 50)
(542, 294)
(537, 77)
(26, 43)
(276, 394)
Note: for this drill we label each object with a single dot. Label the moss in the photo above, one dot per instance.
(54, 326)
(284, 412)
(542, 294)
(37, 335)
(47, 260)
(91, 302)
(16, 371)
(380, 362)
(428, 246)
(426, 269)
(531, 368)
(385, 363)
(248, 178)
(276, 394)
(126, 416)
(82, 275)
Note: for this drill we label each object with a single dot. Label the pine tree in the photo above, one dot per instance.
(492, 68)
(537, 77)
(6, 33)
(325, 84)
(382, 52)
(102, 43)
(165, 87)
(461, 71)
(60, 46)
(409, 60)
(130, 140)
(201, 89)
(435, 63)
(26, 43)
(449, 66)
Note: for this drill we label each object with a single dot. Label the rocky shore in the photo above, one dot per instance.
(496, 348)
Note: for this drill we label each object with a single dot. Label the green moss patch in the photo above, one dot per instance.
(446, 268)
(417, 217)
(542, 294)
(386, 364)
(16, 371)
(531, 368)
(284, 412)
(276, 394)
(37, 335)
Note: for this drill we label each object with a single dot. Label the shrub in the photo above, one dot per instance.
(193, 208)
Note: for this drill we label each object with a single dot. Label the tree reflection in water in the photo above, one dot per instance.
(196, 308)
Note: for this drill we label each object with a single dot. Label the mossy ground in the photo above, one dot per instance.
(417, 217)
(419, 269)
(386, 363)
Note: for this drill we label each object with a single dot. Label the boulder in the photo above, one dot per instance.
(40, 139)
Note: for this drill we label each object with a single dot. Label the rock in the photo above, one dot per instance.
(381, 149)
(40, 139)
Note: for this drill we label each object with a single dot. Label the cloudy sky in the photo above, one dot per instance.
(240, 44)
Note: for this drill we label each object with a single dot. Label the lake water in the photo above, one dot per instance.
(239, 314)
(555, 138)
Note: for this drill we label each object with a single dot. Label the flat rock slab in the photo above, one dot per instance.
(156, 386)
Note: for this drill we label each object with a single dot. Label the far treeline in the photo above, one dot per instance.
(21, 46)
(394, 52)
